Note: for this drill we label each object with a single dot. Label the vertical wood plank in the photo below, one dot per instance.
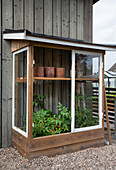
(29, 15)
(90, 25)
(19, 24)
(6, 77)
(38, 53)
(73, 23)
(65, 59)
(48, 52)
(39, 56)
(56, 84)
(80, 19)
(66, 84)
(103, 86)
(39, 62)
(18, 14)
(57, 31)
(48, 83)
(57, 18)
(88, 20)
(48, 17)
(39, 16)
(65, 18)
(0, 83)
(107, 118)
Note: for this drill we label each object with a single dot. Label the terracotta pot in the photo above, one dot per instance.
(60, 72)
(39, 71)
(49, 71)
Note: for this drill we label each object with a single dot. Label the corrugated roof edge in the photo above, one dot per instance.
(15, 31)
(28, 33)
(55, 37)
(7, 31)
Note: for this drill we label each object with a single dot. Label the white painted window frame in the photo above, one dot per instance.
(13, 93)
(73, 129)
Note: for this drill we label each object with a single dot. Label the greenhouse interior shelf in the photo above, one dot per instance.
(21, 79)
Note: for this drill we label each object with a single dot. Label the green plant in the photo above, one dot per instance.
(46, 123)
(64, 118)
(43, 123)
(38, 101)
(83, 113)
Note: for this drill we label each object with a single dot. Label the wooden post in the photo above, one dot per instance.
(107, 119)
(115, 118)
(103, 86)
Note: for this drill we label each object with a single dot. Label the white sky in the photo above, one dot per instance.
(104, 27)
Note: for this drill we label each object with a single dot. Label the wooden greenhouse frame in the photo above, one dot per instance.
(61, 143)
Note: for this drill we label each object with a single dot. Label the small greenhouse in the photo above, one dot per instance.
(53, 96)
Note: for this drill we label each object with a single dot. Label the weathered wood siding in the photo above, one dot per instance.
(53, 90)
(0, 84)
(65, 18)
(7, 22)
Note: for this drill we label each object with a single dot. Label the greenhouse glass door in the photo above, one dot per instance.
(20, 91)
(86, 106)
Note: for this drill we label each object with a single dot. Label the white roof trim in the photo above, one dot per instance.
(14, 36)
(23, 36)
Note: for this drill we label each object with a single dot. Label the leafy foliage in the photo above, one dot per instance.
(48, 123)
(83, 114)
(64, 118)
(38, 101)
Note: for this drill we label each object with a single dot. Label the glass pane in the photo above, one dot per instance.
(87, 66)
(52, 108)
(21, 90)
(86, 104)
(52, 98)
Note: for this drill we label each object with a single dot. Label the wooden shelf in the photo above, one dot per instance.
(21, 79)
(51, 78)
(87, 79)
(57, 78)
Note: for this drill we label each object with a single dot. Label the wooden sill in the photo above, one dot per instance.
(56, 78)
(21, 79)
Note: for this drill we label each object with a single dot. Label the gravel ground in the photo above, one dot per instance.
(90, 159)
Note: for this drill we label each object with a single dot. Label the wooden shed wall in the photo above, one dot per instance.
(65, 18)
